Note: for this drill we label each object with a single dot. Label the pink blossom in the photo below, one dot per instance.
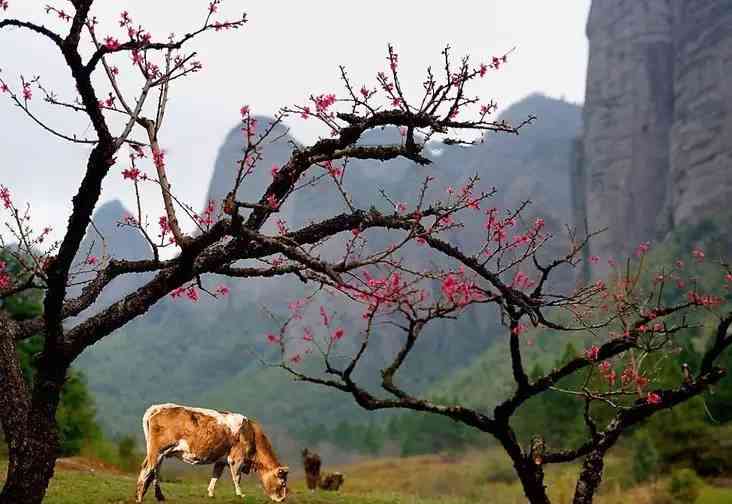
(324, 316)
(273, 338)
(323, 102)
(305, 113)
(698, 254)
(222, 290)
(642, 249)
(400, 207)
(124, 19)
(296, 359)
(4, 4)
(483, 69)
(334, 170)
(111, 43)
(594, 259)
(364, 92)
(282, 226)
(653, 398)
(164, 226)
(522, 281)
(158, 158)
(27, 91)
(272, 201)
(275, 170)
(393, 58)
(131, 173)
(244, 111)
(5, 197)
(307, 334)
(5, 281)
(592, 353)
(192, 293)
(91, 260)
(337, 334)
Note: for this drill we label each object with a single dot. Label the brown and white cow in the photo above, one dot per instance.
(204, 436)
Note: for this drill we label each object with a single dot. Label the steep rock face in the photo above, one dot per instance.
(627, 119)
(657, 144)
(701, 136)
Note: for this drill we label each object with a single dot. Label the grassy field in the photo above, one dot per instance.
(434, 479)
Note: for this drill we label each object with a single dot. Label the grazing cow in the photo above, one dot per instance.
(311, 462)
(331, 481)
(204, 436)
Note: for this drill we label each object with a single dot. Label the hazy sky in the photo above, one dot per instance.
(286, 51)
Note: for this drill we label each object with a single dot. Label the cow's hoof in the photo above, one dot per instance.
(159, 496)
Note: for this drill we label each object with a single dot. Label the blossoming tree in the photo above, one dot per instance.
(230, 231)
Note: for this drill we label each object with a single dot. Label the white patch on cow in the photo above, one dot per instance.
(231, 420)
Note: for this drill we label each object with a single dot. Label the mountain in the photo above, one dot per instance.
(106, 239)
(657, 139)
(212, 352)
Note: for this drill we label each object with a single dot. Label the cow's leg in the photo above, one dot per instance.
(147, 474)
(218, 470)
(235, 468)
(158, 491)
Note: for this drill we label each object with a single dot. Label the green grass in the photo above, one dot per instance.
(432, 479)
(715, 495)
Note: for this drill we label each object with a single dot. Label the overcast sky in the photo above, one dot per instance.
(286, 51)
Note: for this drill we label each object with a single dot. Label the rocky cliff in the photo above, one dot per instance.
(657, 139)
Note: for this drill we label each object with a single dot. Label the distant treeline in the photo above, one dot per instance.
(411, 433)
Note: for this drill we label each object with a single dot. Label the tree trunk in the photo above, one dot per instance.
(590, 477)
(31, 467)
(532, 481)
(29, 423)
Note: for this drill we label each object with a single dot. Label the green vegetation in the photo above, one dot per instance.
(76, 415)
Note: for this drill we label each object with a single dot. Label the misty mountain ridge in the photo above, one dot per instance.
(208, 353)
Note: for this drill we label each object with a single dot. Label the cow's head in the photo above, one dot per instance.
(274, 482)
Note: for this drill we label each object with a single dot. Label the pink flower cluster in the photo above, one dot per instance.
(206, 219)
(323, 102)
(459, 290)
(5, 197)
(592, 353)
(190, 292)
(131, 173)
(5, 281)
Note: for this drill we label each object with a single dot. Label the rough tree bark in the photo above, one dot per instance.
(28, 420)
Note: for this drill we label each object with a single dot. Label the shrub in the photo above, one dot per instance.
(685, 486)
(645, 457)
